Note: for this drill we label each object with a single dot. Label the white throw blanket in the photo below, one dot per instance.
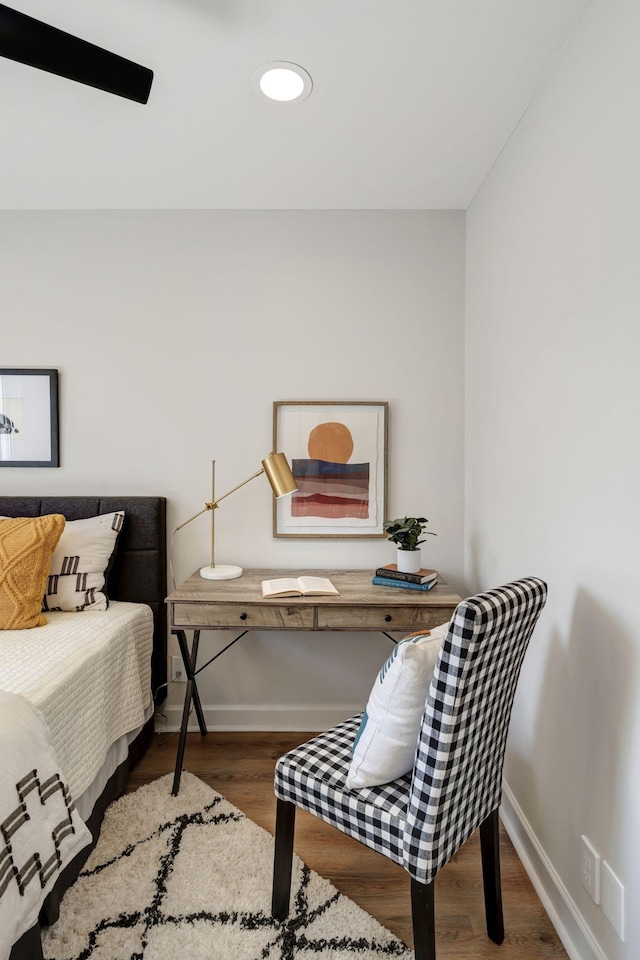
(40, 830)
(89, 674)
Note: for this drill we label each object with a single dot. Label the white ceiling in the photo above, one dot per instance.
(412, 102)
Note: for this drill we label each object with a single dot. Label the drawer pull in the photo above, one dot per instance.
(388, 618)
(243, 616)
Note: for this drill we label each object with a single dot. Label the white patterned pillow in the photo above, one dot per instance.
(81, 562)
(385, 745)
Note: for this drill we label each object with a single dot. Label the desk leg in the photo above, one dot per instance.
(190, 693)
(190, 670)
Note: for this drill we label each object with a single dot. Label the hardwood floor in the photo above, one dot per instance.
(240, 766)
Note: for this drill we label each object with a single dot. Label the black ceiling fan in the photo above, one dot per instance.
(39, 45)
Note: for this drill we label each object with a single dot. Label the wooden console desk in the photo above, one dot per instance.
(199, 604)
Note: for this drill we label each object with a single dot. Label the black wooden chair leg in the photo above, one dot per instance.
(283, 859)
(423, 918)
(490, 848)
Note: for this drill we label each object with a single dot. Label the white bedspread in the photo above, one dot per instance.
(89, 675)
(40, 831)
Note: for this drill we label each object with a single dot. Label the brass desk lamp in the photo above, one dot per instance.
(279, 475)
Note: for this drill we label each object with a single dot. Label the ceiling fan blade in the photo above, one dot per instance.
(39, 45)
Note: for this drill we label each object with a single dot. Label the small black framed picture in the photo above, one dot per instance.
(29, 418)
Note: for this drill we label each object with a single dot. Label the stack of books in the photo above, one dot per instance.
(390, 576)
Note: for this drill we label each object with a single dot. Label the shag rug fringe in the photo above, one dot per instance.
(189, 877)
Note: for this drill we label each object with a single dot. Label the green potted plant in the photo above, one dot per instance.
(406, 533)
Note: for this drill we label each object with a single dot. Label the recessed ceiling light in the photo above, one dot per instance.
(282, 82)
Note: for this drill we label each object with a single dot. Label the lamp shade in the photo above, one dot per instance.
(279, 474)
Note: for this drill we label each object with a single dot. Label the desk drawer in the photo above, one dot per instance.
(236, 615)
(379, 618)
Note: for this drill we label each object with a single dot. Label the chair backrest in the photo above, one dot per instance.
(457, 776)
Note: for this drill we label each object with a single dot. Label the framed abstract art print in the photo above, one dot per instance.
(338, 455)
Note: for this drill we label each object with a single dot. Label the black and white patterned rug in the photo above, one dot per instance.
(190, 877)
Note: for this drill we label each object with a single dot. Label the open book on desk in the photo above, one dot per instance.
(299, 587)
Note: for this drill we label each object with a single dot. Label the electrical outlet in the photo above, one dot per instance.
(613, 899)
(590, 869)
(178, 674)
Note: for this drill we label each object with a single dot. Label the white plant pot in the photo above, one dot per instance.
(408, 561)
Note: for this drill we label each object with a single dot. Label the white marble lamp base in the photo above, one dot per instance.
(221, 571)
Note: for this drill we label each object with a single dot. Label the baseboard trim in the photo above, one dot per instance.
(570, 925)
(275, 717)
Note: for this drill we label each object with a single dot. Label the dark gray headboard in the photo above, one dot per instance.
(139, 571)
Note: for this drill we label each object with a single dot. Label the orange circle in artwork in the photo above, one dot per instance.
(332, 442)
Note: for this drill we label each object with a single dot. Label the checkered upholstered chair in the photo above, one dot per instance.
(420, 820)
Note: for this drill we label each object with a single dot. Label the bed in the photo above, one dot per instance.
(115, 731)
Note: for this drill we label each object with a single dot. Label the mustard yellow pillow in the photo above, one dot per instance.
(26, 548)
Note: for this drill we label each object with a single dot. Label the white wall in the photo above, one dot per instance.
(174, 332)
(553, 460)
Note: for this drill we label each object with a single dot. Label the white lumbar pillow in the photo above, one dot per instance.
(80, 563)
(385, 745)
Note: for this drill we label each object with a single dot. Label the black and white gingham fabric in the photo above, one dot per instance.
(421, 819)
(313, 777)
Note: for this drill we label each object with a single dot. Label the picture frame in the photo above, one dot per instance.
(29, 418)
(337, 450)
